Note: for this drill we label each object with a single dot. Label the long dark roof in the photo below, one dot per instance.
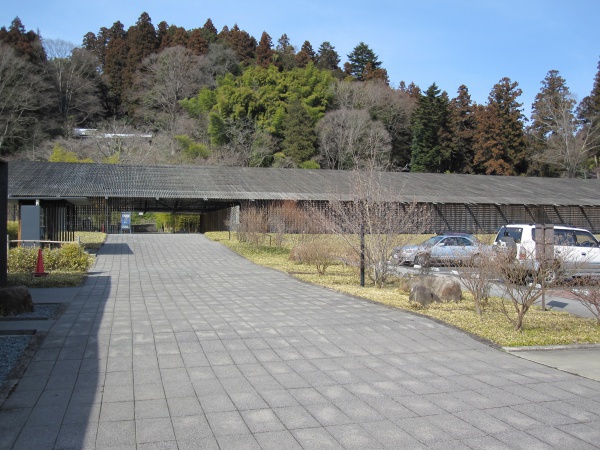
(68, 180)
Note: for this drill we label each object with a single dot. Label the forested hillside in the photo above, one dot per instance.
(166, 95)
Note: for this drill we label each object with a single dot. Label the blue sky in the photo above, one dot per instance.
(449, 42)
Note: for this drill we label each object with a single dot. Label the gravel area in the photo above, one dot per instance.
(41, 311)
(12, 348)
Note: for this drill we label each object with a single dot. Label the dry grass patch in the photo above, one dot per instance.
(540, 327)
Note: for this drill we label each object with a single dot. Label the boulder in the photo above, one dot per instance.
(15, 300)
(445, 287)
(422, 295)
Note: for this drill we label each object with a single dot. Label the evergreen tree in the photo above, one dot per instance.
(285, 54)
(430, 147)
(209, 32)
(114, 67)
(462, 125)
(141, 42)
(371, 74)
(197, 43)
(358, 60)
(327, 58)
(241, 42)
(26, 44)
(299, 135)
(264, 51)
(305, 55)
(162, 35)
(500, 145)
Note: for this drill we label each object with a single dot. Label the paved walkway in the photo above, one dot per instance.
(175, 342)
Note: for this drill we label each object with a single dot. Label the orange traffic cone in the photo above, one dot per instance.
(39, 268)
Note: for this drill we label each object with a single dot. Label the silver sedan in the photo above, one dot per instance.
(443, 249)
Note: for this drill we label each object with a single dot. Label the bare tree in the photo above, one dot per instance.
(522, 284)
(567, 146)
(477, 275)
(564, 141)
(246, 145)
(348, 139)
(220, 60)
(372, 220)
(587, 292)
(23, 93)
(76, 82)
(117, 142)
(164, 79)
(393, 108)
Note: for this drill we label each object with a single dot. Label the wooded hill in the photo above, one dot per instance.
(166, 95)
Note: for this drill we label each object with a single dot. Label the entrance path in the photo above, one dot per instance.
(176, 342)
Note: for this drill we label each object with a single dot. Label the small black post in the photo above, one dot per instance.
(3, 220)
(362, 254)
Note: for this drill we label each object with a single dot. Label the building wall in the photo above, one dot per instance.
(291, 217)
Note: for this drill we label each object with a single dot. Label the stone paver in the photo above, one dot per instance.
(176, 342)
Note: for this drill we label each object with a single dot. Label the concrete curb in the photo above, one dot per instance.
(551, 347)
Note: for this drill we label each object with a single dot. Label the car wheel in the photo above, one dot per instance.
(476, 260)
(422, 260)
(552, 274)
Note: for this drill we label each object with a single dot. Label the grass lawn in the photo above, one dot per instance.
(541, 327)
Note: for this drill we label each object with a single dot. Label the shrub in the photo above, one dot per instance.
(316, 251)
(253, 226)
(92, 240)
(68, 258)
(22, 259)
(12, 229)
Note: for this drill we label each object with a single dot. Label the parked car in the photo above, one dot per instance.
(576, 250)
(444, 249)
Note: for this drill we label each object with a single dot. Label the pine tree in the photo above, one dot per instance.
(197, 43)
(430, 121)
(285, 53)
(500, 145)
(26, 44)
(264, 51)
(114, 67)
(242, 43)
(462, 125)
(305, 55)
(358, 60)
(371, 74)
(162, 35)
(141, 42)
(327, 58)
(209, 32)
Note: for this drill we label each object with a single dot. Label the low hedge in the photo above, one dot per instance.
(68, 258)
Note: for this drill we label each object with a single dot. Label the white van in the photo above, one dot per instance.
(576, 250)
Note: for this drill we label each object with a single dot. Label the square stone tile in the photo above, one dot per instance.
(117, 411)
(277, 440)
(116, 434)
(296, 417)
(316, 438)
(154, 430)
(184, 406)
(228, 423)
(150, 409)
(262, 420)
(328, 414)
(191, 428)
